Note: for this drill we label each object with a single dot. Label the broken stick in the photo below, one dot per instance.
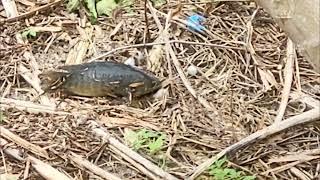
(77, 159)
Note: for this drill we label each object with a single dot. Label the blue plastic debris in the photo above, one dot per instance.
(195, 22)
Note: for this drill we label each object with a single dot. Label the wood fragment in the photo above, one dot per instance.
(47, 28)
(116, 122)
(298, 157)
(91, 167)
(78, 53)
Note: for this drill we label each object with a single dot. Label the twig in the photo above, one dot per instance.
(288, 72)
(93, 168)
(26, 170)
(299, 174)
(4, 162)
(47, 171)
(135, 164)
(157, 43)
(29, 106)
(105, 136)
(146, 19)
(22, 142)
(30, 13)
(289, 165)
(305, 117)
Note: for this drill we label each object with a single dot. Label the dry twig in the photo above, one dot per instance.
(47, 171)
(29, 106)
(30, 13)
(93, 168)
(288, 73)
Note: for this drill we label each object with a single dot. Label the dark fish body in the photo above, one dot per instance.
(100, 79)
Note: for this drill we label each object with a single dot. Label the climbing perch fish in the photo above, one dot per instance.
(101, 78)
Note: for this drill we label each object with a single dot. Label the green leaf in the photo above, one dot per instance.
(91, 5)
(126, 4)
(220, 162)
(157, 144)
(218, 174)
(29, 32)
(158, 3)
(105, 7)
(150, 134)
(73, 5)
(133, 139)
(232, 173)
(143, 138)
(249, 178)
(130, 136)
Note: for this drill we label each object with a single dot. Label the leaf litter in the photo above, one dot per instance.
(245, 93)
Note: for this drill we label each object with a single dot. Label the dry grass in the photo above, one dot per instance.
(242, 82)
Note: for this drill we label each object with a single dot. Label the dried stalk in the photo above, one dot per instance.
(47, 171)
(288, 73)
(91, 167)
(29, 106)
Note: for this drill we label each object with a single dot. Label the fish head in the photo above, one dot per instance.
(53, 79)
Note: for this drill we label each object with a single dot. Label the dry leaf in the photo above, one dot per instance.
(155, 58)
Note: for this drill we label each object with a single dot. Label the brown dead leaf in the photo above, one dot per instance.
(155, 58)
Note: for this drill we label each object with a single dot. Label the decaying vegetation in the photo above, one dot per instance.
(238, 99)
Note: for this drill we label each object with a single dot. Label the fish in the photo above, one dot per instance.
(99, 79)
